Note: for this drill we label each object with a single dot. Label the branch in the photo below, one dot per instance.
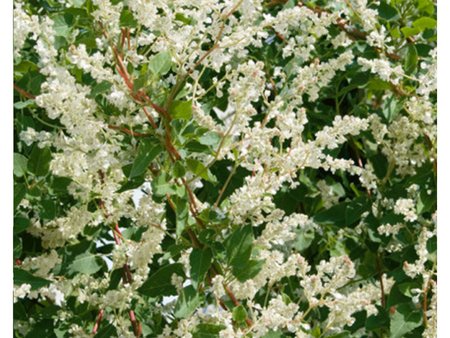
(97, 322)
(127, 131)
(24, 92)
(230, 294)
(353, 33)
(425, 303)
(127, 278)
(380, 277)
(141, 97)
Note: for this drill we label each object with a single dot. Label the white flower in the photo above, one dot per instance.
(389, 230)
(406, 207)
(217, 286)
(41, 265)
(383, 68)
(21, 291)
(23, 26)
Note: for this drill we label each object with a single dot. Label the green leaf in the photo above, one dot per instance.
(161, 186)
(239, 246)
(200, 261)
(147, 151)
(196, 147)
(17, 245)
(411, 59)
(334, 215)
(86, 263)
(159, 283)
(181, 110)
(386, 11)
(208, 331)
(345, 213)
(182, 212)
(378, 84)
(396, 296)
(49, 209)
(425, 23)
(22, 277)
(303, 239)
(405, 288)
(23, 104)
(106, 332)
(39, 161)
(60, 184)
(355, 209)
(390, 108)
(19, 311)
(19, 193)
(160, 63)
(404, 320)
(20, 224)
(20, 165)
(210, 138)
(127, 19)
(134, 183)
(380, 320)
(178, 169)
(426, 6)
(180, 17)
(140, 82)
(77, 3)
(60, 26)
(239, 314)
(248, 270)
(410, 31)
(188, 301)
(199, 169)
(100, 88)
(43, 328)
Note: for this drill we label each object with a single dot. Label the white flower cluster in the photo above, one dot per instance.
(275, 268)
(310, 79)
(406, 207)
(30, 135)
(41, 265)
(277, 315)
(398, 143)
(265, 116)
(428, 81)
(368, 17)
(389, 230)
(418, 267)
(331, 137)
(299, 19)
(431, 329)
(52, 292)
(57, 232)
(24, 24)
(280, 230)
(383, 69)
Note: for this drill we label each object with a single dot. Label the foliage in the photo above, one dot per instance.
(237, 168)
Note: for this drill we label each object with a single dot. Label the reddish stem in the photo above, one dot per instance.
(150, 118)
(425, 304)
(127, 131)
(137, 327)
(236, 302)
(97, 323)
(23, 92)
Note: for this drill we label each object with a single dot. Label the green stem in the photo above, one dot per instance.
(232, 172)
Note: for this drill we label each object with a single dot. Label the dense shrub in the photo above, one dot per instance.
(237, 168)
